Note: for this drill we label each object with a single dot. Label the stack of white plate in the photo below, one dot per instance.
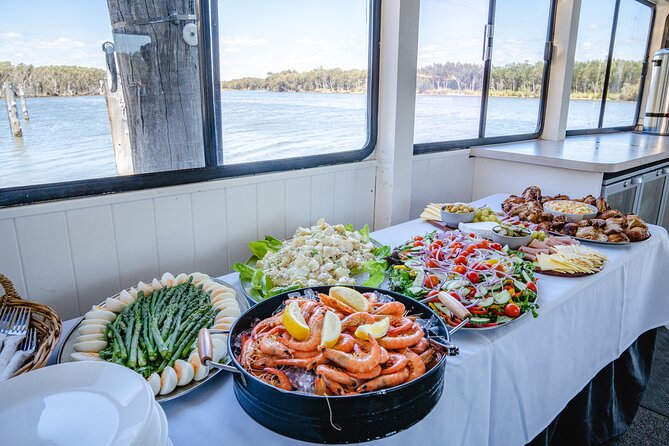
(81, 403)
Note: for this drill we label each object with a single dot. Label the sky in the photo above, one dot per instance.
(260, 36)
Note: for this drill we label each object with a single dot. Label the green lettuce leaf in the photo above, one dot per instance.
(364, 232)
(245, 271)
(260, 248)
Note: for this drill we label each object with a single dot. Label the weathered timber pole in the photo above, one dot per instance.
(119, 129)
(12, 113)
(24, 106)
(158, 74)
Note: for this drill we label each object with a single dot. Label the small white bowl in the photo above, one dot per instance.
(454, 219)
(512, 242)
(574, 218)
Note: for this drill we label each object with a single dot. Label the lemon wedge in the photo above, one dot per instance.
(376, 330)
(294, 322)
(331, 330)
(350, 297)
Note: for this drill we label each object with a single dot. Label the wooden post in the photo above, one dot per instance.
(158, 74)
(24, 106)
(12, 113)
(119, 128)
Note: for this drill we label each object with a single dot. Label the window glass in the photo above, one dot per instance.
(293, 78)
(75, 127)
(517, 67)
(450, 69)
(592, 49)
(629, 50)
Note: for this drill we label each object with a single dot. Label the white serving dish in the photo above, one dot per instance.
(454, 219)
(78, 403)
(574, 218)
(511, 242)
(481, 229)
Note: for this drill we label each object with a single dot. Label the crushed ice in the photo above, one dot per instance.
(302, 380)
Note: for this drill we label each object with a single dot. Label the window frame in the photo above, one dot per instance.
(207, 12)
(443, 146)
(609, 58)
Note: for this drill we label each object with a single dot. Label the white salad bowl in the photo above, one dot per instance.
(574, 218)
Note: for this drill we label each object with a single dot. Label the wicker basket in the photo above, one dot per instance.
(43, 319)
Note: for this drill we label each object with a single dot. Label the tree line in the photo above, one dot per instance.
(515, 79)
(53, 80)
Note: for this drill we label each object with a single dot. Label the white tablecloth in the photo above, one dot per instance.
(507, 384)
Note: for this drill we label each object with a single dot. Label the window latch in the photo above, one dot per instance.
(548, 51)
(108, 48)
(487, 42)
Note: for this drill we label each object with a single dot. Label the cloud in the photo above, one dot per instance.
(9, 35)
(234, 44)
(39, 50)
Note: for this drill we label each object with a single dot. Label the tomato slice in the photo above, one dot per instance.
(418, 237)
(496, 246)
(532, 286)
(431, 263)
(512, 310)
(473, 277)
(418, 243)
(460, 269)
(461, 260)
(478, 310)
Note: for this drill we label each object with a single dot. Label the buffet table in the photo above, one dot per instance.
(508, 384)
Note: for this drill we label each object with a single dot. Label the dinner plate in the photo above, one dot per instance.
(68, 348)
(79, 403)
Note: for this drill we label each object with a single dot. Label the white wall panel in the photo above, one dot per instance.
(174, 234)
(135, 234)
(74, 253)
(344, 192)
(210, 232)
(441, 177)
(10, 259)
(322, 197)
(363, 198)
(91, 234)
(271, 197)
(47, 262)
(242, 221)
(298, 204)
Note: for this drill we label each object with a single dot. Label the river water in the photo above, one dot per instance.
(68, 138)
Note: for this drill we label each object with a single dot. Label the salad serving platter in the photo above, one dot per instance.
(249, 273)
(68, 348)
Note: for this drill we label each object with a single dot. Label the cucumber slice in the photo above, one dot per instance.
(479, 320)
(502, 297)
(486, 302)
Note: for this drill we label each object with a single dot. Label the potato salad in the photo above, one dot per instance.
(319, 255)
(322, 254)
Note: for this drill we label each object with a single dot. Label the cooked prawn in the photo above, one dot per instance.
(403, 340)
(356, 319)
(400, 325)
(270, 345)
(422, 345)
(277, 378)
(311, 343)
(415, 365)
(384, 381)
(304, 363)
(391, 309)
(335, 374)
(396, 363)
(345, 344)
(376, 371)
(354, 362)
(335, 304)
